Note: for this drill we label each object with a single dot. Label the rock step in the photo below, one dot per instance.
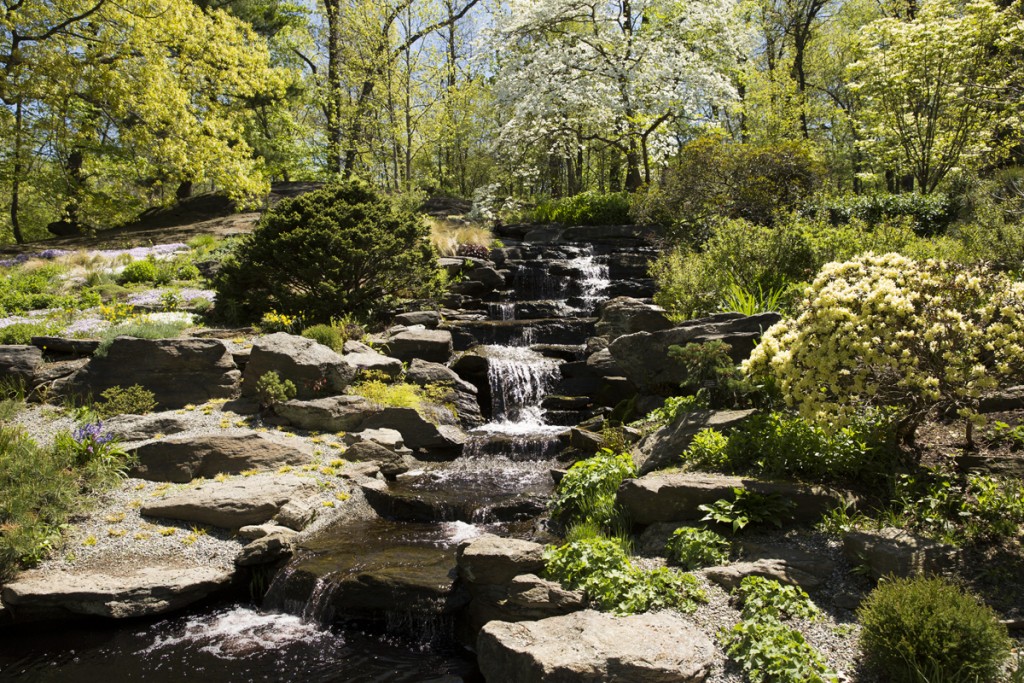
(465, 335)
(676, 497)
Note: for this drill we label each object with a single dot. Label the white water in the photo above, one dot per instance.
(519, 378)
(595, 280)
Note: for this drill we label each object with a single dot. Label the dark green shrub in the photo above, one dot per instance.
(929, 214)
(587, 208)
(328, 335)
(341, 249)
(143, 270)
(712, 372)
(587, 491)
(925, 629)
(271, 389)
(133, 400)
(695, 548)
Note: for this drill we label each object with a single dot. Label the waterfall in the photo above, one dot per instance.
(595, 280)
(519, 378)
(502, 310)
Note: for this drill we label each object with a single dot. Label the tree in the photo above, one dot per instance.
(574, 74)
(930, 88)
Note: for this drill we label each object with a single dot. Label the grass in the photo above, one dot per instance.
(142, 330)
(446, 236)
(42, 487)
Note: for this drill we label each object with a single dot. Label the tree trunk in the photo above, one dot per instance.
(335, 93)
(16, 175)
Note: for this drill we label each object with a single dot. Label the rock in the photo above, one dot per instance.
(353, 346)
(177, 371)
(388, 438)
(144, 591)
(461, 394)
(729, 576)
(331, 414)
(440, 433)
(674, 497)
(664, 447)
(625, 315)
(531, 596)
(254, 531)
(314, 368)
(495, 560)
(47, 373)
(429, 319)
(658, 647)
(897, 552)
(429, 345)
(267, 549)
(644, 359)
(144, 427)
(70, 347)
(181, 459)
(19, 362)
(300, 510)
(585, 441)
(603, 365)
(1010, 398)
(374, 362)
(231, 504)
(391, 464)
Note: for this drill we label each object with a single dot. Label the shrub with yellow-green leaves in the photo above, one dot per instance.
(887, 330)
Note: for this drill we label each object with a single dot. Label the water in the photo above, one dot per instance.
(519, 379)
(594, 282)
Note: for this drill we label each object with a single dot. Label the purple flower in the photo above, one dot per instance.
(53, 253)
(89, 434)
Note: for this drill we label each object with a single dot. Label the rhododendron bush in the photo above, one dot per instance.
(888, 330)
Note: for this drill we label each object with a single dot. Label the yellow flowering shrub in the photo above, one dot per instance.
(888, 330)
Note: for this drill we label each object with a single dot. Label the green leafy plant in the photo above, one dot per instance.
(133, 400)
(711, 370)
(763, 597)
(143, 270)
(675, 406)
(695, 548)
(1002, 432)
(340, 249)
(272, 389)
(707, 451)
(749, 507)
(587, 491)
(587, 208)
(328, 335)
(749, 301)
(142, 329)
(771, 652)
(915, 628)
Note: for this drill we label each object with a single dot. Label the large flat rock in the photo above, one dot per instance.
(313, 368)
(40, 594)
(663, 448)
(660, 647)
(234, 503)
(182, 459)
(676, 496)
(492, 559)
(330, 414)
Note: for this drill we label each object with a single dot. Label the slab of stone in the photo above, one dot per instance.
(676, 496)
(391, 464)
(19, 362)
(658, 647)
(429, 345)
(254, 531)
(626, 315)
(180, 459)
(145, 591)
(373, 362)
(177, 371)
(492, 559)
(664, 448)
(461, 393)
(231, 504)
(145, 427)
(897, 552)
(429, 319)
(440, 432)
(730, 576)
(64, 345)
(331, 414)
(388, 438)
(315, 369)
(267, 549)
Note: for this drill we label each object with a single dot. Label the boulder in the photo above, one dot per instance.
(664, 447)
(676, 496)
(388, 438)
(429, 345)
(391, 464)
(897, 552)
(461, 394)
(267, 549)
(144, 427)
(181, 459)
(374, 362)
(494, 560)
(626, 315)
(602, 364)
(254, 531)
(331, 414)
(177, 371)
(143, 591)
(302, 508)
(65, 346)
(314, 368)
(231, 504)
(729, 576)
(47, 373)
(20, 362)
(529, 596)
(438, 433)
(656, 647)
(643, 356)
(429, 319)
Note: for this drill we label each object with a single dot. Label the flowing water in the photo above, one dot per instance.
(370, 600)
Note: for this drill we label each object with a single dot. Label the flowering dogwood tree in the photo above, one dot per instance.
(616, 72)
(889, 331)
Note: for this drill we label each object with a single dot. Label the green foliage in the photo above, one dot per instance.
(43, 487)
(771, 652)
(954, 508)
(31, 289)
(711, 370)
(708, 451)
(22, 333)
(602, 568)
(914, 629)
(272, 389)
(587, 491)
(392, 395)
(750, 302)
(587, 208)
(133, 400)
(748, 507)
(1004, 433)
(328, 335)
(763, 598)
(141, 329)
(695, 548)
(675, 406)
(929, 215)
(341, 249)
(143, 270)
